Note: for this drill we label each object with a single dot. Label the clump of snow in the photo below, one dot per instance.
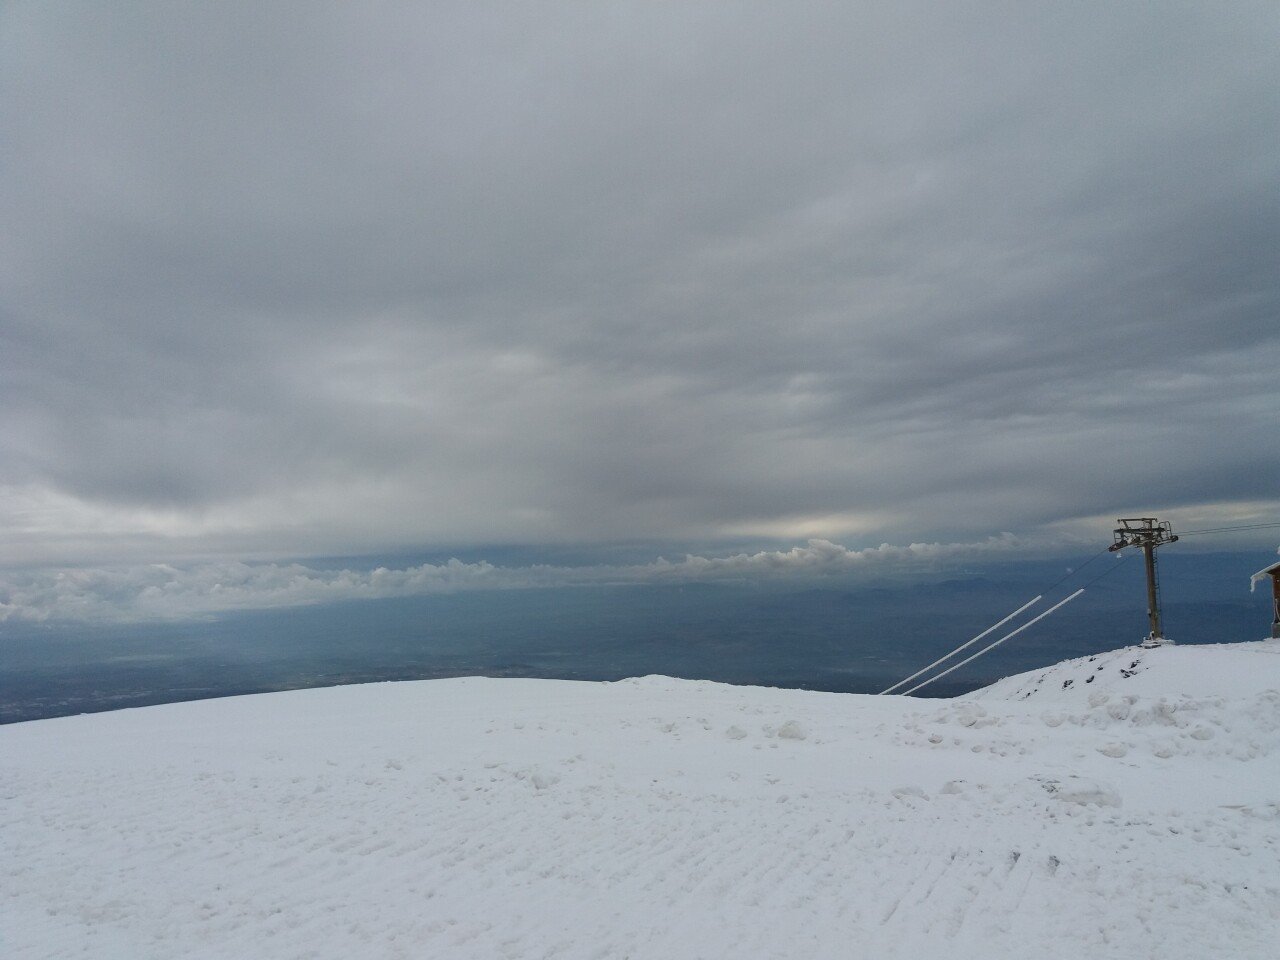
(1114, 806)
(910, 791)
(791, 730)
(1080, 790)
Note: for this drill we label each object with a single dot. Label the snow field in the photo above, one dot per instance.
(1134, 815)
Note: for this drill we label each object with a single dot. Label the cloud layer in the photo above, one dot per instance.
(338, 279)
(166, 592)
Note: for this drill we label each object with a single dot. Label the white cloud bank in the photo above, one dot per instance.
(166, 592)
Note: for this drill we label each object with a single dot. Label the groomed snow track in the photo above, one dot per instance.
(1134, 815)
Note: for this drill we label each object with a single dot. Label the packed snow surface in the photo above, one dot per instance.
(1126, 805)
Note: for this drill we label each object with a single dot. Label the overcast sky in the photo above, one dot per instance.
(290, 280)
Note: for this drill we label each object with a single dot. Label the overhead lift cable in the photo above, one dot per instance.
(990, 629)
(1247, 526)
(1060, 603)
(992, 646)
(984, 633)
(1072, 571)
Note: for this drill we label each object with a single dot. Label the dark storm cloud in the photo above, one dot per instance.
(338, 278)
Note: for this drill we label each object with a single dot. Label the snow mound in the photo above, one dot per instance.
(1198, 670)
(1131, 814)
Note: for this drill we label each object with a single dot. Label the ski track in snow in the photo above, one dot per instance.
(1136, 814)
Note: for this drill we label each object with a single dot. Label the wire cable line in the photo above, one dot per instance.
(992, 646)
(1068, 575)
(990, 629)
(1106, 573)
(1248, 526)
(1072, 571)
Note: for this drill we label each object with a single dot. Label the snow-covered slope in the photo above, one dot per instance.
(1131, 812)
(1232, 670)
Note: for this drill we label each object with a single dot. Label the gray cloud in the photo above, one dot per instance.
(332, 279)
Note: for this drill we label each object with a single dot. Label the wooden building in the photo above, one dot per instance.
(1273, 572)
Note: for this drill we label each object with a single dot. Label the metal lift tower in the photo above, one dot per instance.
(1147, 533)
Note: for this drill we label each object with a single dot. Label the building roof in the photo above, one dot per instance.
(1271, 571)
